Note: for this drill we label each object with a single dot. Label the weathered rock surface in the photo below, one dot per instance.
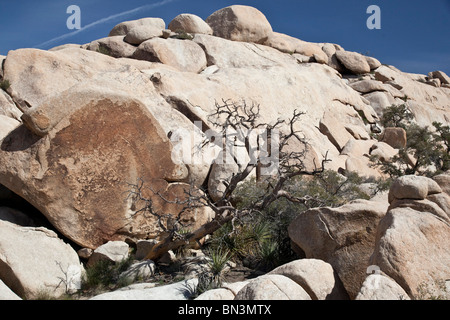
(442, 76)
(292, 45)
(344, 237)
(240, 23)
(7, 106)
(353, 61)
(139, 271)
(380, 287)
(16, 217)
(113, 251)
(116, 46)
(272, 287)
(216, 294)
(395, 137)
(443, 180)
(315, 276)
(6, 293)
(182, 290)
(183, 55)
(139, 34)
(55, 269)
(190, 23)
(413, 187)
(7, 124)
(124, 27)
(62, 181)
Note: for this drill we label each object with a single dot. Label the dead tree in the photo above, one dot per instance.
(236, 125)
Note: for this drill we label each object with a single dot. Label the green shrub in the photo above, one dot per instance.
(396, 116)
(427, 150)
(260, 240)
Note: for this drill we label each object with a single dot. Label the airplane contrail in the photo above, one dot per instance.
(103, 20)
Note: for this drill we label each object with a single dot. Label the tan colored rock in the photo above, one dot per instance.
(412, 248)
(383, 151)
(113, 251)
(384, 74)
(344, 237)
(367, 86)
(426, 103)
(184, 55)
(361, 166)
(7, 106)
(379, 100)
(36, 75)
(424, 205)
(35, 260)
(373, 63)
(272, 287)
(65, 46)
(81, 185)
(334, 130)
(124, 27)
(292, 45)
(353, 61)
(357, 148)
(315, 276)
(216, 294)
(413, 187)
(6, 293)
(139, 34)
(17, 217)
(395, 137)
(190, 23)
(442, 76)
(114, 46)
(380, 287)
(330, 51)
(443, 201)
(143, 248)
(358, 132)
(443, 180)
(240, 23)
(229, 54)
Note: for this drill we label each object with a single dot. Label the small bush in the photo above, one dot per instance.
(105, 275)
(5, 84)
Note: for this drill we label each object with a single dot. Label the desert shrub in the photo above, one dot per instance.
(212, 278)
(396, 116)
(105, 274)
(427, 150)
(261, 240)
(5, 84)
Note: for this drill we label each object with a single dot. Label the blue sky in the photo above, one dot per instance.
(414, 35)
